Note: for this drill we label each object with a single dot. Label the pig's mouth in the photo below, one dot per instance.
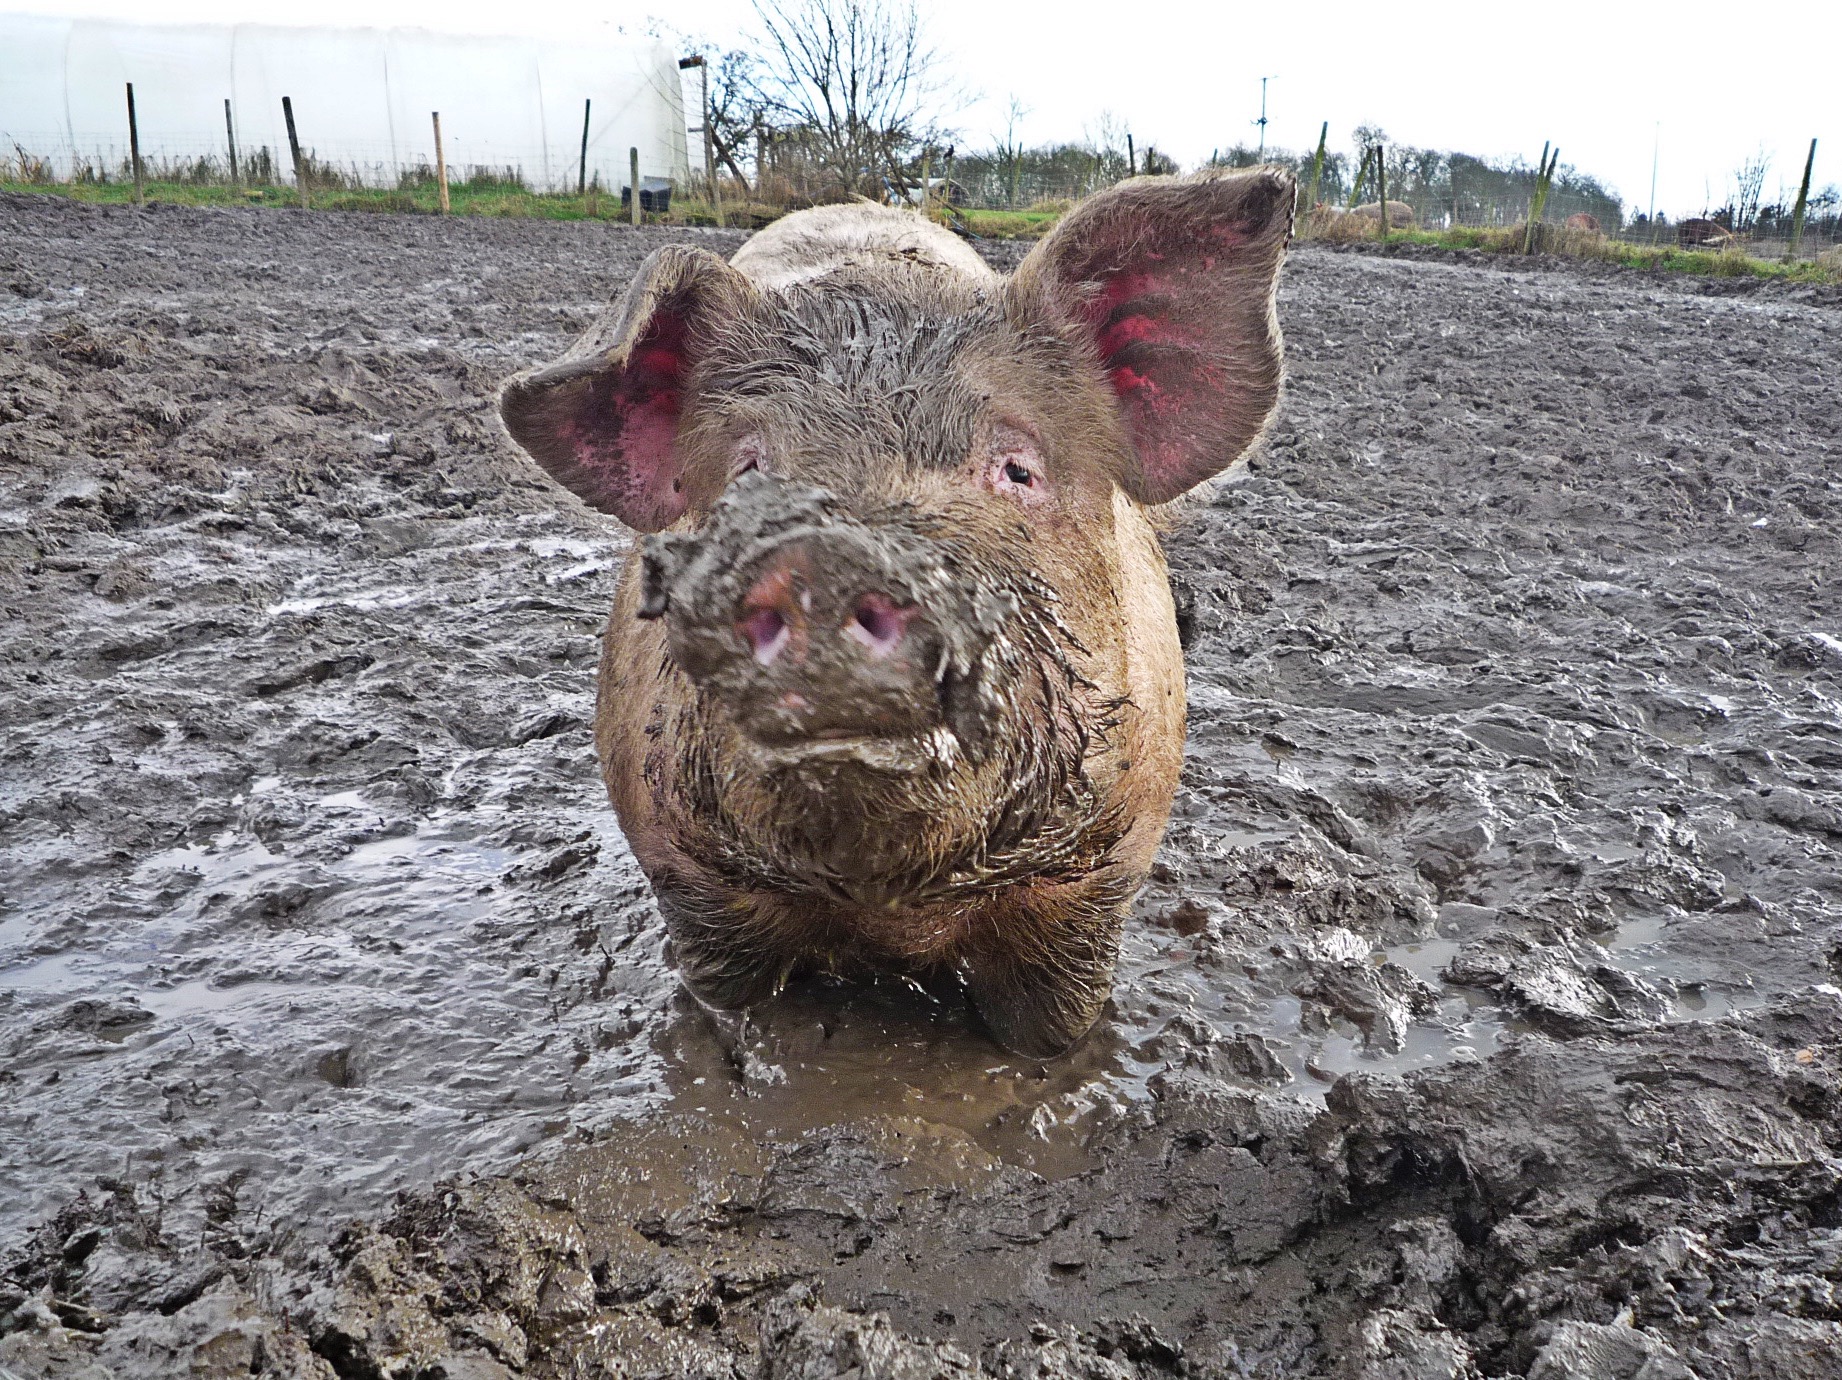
(935, 749)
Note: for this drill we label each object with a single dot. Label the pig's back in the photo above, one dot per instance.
(860, 238)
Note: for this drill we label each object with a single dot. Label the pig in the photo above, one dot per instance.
(1580, 220)
(1400, 214)
(894, 684)
(1699, 230)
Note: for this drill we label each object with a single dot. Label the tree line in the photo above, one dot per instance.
(841, 98)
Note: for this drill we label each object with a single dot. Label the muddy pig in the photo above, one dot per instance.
(896, 686)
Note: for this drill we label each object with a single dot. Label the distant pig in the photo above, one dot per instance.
(1699, 230)
(1400, 214)
(897, 684)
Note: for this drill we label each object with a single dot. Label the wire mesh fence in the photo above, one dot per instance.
(101, 159)
(1426, 190)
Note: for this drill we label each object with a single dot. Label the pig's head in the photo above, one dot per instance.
(889, 502)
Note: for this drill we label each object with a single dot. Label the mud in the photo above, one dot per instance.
(1482, 1017)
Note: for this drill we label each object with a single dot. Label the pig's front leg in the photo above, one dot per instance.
(725, 955)
(1039, 963)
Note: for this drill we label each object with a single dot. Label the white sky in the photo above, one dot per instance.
(1710, 84)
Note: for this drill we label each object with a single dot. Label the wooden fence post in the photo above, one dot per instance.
(1317, 170)
(441, 164)
(1803, 205)
(134, 149)
(1131, 157)
(633, 183)
(230, 139)
(294, 149)
(1362, 171)
(582, 164)
(1381, 179)
(1543, 182)
(1528, 232)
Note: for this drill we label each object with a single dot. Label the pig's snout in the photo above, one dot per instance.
(825, 638)
(812, 643)
(776, 615)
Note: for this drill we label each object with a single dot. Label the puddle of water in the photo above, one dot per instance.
(1646, 946)
(828, 1053)
(65, 972)
(364, 601)
(13, 930)
(211, 997)
(1426, 959)
(1464, 1030)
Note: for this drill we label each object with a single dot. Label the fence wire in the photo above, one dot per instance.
(1438, 192)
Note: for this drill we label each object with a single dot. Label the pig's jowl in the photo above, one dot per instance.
(897, 683)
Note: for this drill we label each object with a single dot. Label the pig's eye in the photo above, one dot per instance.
(1017, 469)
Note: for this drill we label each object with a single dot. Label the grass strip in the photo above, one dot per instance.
(483, 198)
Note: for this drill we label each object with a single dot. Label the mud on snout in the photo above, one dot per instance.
(834, 633)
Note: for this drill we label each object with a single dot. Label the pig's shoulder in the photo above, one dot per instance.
(860, 240)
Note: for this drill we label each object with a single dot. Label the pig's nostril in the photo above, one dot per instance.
(878, 623)
(767, 633)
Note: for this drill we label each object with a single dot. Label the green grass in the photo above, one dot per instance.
(488, 198)
(464, 198)
(1010, 225)
(1707, 263)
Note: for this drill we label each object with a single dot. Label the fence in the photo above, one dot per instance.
(1446, 190)
(362, 100)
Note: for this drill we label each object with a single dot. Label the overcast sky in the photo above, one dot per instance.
(1705, 86)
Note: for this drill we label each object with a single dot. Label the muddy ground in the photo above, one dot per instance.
(1482, 1019)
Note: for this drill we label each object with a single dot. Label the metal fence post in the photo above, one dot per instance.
(294, 148)
(582, 165)
(134, 149)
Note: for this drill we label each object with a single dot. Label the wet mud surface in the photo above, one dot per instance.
(1482, 1018)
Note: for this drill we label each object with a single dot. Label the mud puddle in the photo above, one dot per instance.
(1499, 914)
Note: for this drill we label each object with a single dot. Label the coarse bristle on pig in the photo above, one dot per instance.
(895, 683)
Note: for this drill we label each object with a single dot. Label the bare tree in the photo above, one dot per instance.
(853, 79)
(1108, 142)
(1749, 185)
(734, 114)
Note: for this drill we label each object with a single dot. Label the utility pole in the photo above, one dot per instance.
(716, 195)
(1656, 143)
(1262, 120)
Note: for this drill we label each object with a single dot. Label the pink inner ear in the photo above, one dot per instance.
(1172, 286)
(1160, 371)
(625, 439)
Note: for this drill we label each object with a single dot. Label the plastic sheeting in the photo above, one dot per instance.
(362, 100)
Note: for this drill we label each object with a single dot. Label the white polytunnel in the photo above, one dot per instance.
(362, 100)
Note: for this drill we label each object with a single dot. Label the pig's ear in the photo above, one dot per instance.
(603, 419)
(1170, 282)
